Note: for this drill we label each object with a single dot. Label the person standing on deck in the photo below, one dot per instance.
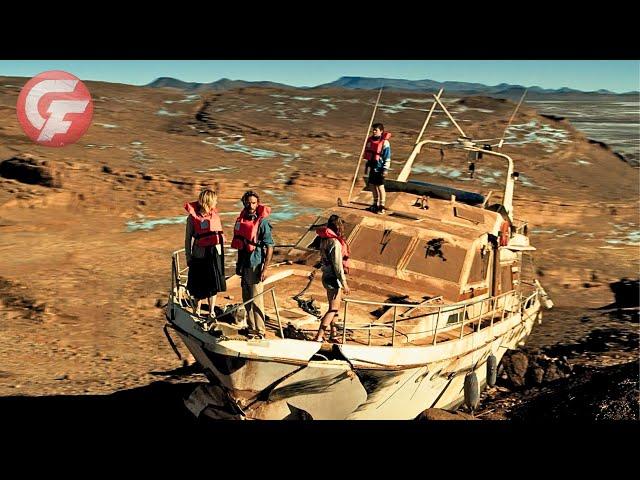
(204, 250)
(378, 161)
(334, 254)
(254, 242)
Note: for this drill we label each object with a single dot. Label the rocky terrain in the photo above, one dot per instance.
(86, 231)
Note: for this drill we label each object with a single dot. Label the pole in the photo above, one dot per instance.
(512, 117)
(355, 174)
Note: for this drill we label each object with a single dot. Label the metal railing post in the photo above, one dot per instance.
(344, 323)
(275, 305)
(462, 324)
(493, 310)
(435, 332)
(393, 333)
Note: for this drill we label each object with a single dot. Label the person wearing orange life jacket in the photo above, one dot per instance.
(334, 254)
(378, 156)
(204, 250)
(254, 242)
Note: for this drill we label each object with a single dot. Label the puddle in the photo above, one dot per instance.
(215, 169)
(624, 236)
(532, 132)
(167, 113)
(333, 151)
(239, 147)
(101, 147)
(285, 208)
(440, 170)
(150, 224)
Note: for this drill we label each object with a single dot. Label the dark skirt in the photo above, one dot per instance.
(206, 275)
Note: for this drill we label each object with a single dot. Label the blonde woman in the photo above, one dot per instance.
(204, 249)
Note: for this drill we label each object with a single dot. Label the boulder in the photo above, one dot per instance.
(31, 171)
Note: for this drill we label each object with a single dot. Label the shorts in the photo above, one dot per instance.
(376, 178)
(330, 282)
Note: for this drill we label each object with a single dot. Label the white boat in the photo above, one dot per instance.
(440, 291)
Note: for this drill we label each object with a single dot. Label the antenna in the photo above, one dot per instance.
(512, 117)
(437, 98)
(426, 122)
(355, 174)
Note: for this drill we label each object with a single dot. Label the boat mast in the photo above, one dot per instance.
(513, 115)
(406, 169)
(355, 174)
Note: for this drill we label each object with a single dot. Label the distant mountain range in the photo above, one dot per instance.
(219, 85)
(503, 90)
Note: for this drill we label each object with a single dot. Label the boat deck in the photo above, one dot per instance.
(367, 323)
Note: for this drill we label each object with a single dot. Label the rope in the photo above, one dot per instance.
(308, 305)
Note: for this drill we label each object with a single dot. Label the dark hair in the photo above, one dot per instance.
(336, 224)
(378, 125)
(247, 194)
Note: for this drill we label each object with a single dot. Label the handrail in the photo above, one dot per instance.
(446, 308)
(435, 310)
(439, 310)
(207, 326)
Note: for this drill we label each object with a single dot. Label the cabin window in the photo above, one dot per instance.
(437, 258)
(379, 246)
(457, 317)
(479, 266)
(506, 278)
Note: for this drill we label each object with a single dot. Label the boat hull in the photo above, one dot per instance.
(292, 379)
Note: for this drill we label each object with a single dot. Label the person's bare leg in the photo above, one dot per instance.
(212, 304)
(334, 303)
(378, 196)
(374, 191)
(382, 194)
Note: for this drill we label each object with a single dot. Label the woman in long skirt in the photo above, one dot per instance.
(204, 249)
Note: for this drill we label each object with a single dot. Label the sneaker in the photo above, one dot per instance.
(381, 210)
(372, 208)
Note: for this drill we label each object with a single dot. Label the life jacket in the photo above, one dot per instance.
(245, 231)
(326, 232)
(373, 148)
(207, 228)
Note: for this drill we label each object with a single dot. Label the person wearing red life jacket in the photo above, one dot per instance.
(204, 249)
(334, 254)
(254, 242)
(378, 161)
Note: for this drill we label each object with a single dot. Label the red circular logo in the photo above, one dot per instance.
(55, 108)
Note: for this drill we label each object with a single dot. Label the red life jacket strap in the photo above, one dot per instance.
(198, 236)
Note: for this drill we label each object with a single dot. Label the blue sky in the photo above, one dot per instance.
(614, 75)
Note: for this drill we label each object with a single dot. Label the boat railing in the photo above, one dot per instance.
(178, 290)
(213, 320)
(520, 226)
(468, 313)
